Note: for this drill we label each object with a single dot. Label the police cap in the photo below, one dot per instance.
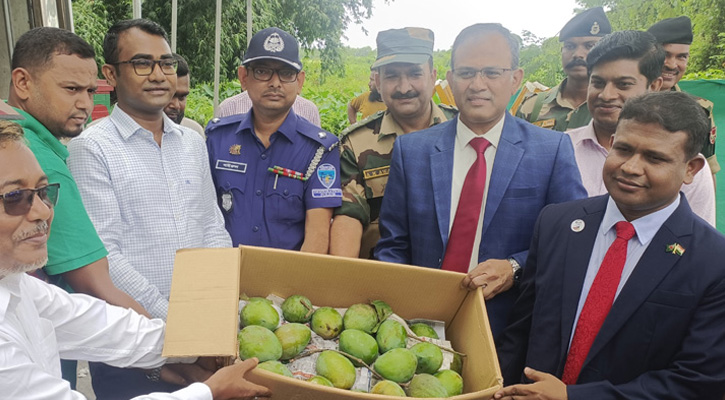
(407, 45)
(591, 22)
(673, 30)
(273, 44)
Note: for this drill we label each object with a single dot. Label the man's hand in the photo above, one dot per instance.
(545, 387)
(493, 276)
(229, 382)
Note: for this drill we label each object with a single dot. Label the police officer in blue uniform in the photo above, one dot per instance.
(276, 175)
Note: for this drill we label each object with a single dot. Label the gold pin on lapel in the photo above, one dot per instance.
(675, 248)
(235, 149)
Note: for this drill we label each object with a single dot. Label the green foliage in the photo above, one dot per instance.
(542, 62)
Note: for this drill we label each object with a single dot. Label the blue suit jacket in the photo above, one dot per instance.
(533, 167)
(664, 337)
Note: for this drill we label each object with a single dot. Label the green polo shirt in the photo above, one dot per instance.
(73, 241)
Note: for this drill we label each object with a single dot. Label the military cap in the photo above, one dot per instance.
(273, 44)
(591, 22)
(673, 30)
(407, 45)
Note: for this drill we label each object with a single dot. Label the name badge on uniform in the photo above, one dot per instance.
(227, 201)
(376, 172)
(326, 173)
(546, 123)
(231, 166)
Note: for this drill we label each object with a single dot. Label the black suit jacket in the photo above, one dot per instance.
(664, 337)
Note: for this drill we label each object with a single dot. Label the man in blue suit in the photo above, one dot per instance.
(662, 332)
(523, 169)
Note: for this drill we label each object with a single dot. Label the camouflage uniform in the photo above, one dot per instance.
(549, 110)
(366, 148)
(708, 149)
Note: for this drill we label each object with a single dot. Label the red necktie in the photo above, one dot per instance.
(465, 223)
(598, 303)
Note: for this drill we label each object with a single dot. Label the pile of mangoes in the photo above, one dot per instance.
(366, 338)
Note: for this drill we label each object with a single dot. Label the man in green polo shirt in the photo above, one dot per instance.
(53, 81)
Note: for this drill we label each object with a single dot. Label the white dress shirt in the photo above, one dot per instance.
(645, 230)
(40, 324)
(463, 158)
(146, 201)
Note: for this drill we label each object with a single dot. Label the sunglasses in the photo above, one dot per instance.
(19, 202)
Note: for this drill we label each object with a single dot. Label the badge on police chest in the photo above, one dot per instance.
(227, 201)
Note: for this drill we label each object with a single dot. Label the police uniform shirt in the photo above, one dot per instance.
(260, 190)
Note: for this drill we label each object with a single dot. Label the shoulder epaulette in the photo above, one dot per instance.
(218, 122)
(448, 109)
(321, 136)
(370, 118)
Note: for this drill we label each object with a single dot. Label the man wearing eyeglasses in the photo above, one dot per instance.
(276, 175)
(145, 182)
(464, 195)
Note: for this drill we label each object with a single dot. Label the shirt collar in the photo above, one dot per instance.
(391, 127)
(464, 134)
(127, 126)
(45, 136)
(585, 133)
(9, 288)
(288, 128)
(646, 227)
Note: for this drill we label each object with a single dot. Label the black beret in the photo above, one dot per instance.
(673, 30)
(591, 22)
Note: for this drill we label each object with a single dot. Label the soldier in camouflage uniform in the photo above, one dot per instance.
(563, 107)
(675, 35)
(406, 80)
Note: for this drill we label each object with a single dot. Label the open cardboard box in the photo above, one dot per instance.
(206, 285)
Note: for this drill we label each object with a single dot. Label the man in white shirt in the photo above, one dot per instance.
(145, 182)
(40, 323)
(177, 107)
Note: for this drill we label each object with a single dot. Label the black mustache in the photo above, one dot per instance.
(578, 62)
(407, 95)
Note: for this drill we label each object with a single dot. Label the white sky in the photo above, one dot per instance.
(448, 17)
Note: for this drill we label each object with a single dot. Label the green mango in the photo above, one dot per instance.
(256, 341)
(430, 357)
(388, 388)
(320, 380)
(397, 365)
(326, 322)
(391, 335)
(426, 386)
(383, 310)
(457, 364)
(276, 367)
(451, 381)
(422, 330)
(259, 311)
(359, 344)
(297, 308)
(294, 338)
(337, 368)
(361, 317)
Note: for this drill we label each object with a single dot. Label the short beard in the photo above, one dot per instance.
(21, 268)
(375, 96)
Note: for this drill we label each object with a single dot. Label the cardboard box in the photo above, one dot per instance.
(206, 284)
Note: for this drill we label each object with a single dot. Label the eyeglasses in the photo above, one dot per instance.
(265, 74)
(491, 73)
(19, 202)
(144, 67)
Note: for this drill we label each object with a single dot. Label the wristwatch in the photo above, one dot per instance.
(154, 375)
(516, 269)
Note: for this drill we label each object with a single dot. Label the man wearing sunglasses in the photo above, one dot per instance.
(41, 323)
(276, 175)
(146, 183)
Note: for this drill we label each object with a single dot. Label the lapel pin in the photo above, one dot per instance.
(322, 135)
(577, 225)
(235, 149)
(675, 248)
